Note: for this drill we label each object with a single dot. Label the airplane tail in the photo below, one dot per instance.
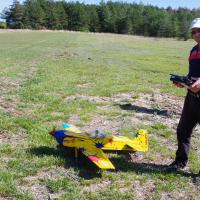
(140, 141)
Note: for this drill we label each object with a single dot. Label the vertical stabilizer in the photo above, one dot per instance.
(140, 141)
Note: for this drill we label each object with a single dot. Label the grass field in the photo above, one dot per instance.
(114, 83)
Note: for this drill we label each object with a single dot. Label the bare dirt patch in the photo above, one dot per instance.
(95, 99)
(54, 173)
(5, 198)
(145, 109)
(123, 97)
(10, 105)
(57, 114)
(86, 85)
(38, 189)
(140, 192)
(68, 54)
(104, 123)
(175, 195)
(97, 186)
(162, 108)
(11, 138)
(74, 119)
(8, 84)
(9, 87)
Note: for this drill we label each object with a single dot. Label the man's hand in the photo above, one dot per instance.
(195, 87)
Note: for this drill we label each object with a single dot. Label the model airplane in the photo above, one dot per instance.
(94, 145)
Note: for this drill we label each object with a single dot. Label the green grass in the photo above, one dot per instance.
(41, 71)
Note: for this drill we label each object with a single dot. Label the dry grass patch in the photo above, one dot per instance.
(7, 137)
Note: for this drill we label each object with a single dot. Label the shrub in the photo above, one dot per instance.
(2, 25)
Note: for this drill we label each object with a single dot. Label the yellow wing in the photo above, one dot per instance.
(98, 157)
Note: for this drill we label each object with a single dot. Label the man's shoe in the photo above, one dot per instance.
(174, 166)
(197, 178)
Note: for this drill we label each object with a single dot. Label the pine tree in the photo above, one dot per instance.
(136, 19)
(184, 21)
(78, 17)
(34, 16)
(107, 20)
(62, 16)
(14, 15)
(94, 24)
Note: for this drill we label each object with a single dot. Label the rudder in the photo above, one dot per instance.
(141, 141)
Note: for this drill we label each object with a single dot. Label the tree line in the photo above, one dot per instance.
(110, 17)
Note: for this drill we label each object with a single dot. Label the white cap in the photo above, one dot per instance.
(195, 23)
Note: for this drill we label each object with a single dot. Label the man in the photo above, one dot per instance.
(190, 116)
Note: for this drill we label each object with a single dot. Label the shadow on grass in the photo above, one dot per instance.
(86, 169)
(144, 167)
(140, 109)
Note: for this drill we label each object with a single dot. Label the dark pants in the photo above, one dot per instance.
(189, 118)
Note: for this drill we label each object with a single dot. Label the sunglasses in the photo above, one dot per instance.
(195, 31)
